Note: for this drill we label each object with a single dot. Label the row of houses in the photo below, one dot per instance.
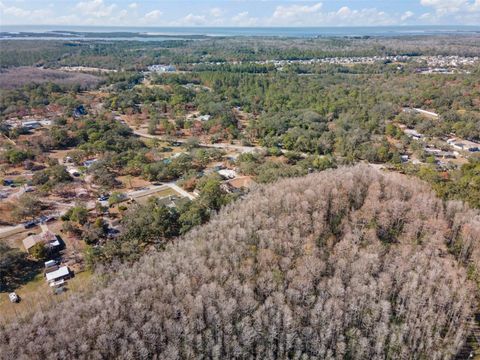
(162, 68)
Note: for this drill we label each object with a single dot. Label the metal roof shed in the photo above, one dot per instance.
(50, 263)
(61, 273)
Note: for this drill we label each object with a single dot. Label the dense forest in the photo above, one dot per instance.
(348, 263)
(129, 55)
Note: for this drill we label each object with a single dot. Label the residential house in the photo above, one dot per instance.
(79, 111)
(464, 145)
(162, 68)
(413, 134)
(31, 125)
(48, 238)
(227, 173)
(74, 171)
(88, 163)
(204, 117)
(59, 275)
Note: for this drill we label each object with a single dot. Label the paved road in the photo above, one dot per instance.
(62, 209)
(11, 230)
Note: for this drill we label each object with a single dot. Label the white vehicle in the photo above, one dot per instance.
(13, 297)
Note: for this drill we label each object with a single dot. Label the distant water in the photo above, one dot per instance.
(162, 33)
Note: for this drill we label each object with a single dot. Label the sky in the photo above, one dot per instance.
(244, 13)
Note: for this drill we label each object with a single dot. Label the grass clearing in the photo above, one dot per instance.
(37, 295)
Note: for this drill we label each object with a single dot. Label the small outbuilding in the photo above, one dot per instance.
(50, 263)
(227, 173)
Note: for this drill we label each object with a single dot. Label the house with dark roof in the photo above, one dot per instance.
(79, 111)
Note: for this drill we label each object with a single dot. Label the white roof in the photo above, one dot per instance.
(227, 173)
(50, 263)
(60, 273)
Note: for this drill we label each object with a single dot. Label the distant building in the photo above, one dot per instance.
(74, 172)
(204, 117)
(464, 145)
(413, 134)
(46, 122)
(227, 174)
(162, 68)
(31, 125)
(88, 163)
(238, 185)
(79, 111)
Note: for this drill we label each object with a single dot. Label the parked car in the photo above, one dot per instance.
(103, 197)
(13, 297)
(30, 224)
(45, 218)
(58, 290)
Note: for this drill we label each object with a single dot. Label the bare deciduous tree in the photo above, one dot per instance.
(349, 263)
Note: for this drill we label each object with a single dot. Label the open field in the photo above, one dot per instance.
(36, 295)
(20, 76)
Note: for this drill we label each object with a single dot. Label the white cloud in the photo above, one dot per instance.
(15, 14)
(294, 12)
(444, 11)
(281, 13)
(304, 15)
(193, 20)
(95, 8)
(16, 11)
(216, 12)
(244, 19)
(407, 15)
(344, 11)
(153, 15)
(445, 6)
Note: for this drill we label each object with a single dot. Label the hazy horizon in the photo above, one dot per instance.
(54, 32)
(246, 13)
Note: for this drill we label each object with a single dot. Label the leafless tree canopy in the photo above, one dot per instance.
(20, 76)
(348, 263)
